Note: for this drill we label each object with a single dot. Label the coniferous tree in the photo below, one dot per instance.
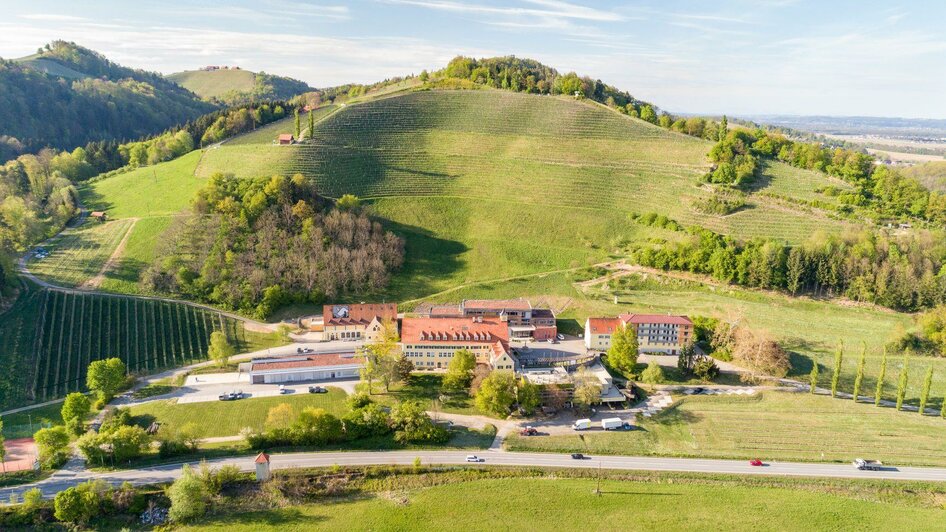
(925, 396)
(879, 391)
(311, 126)
(903, 381)
(298, 126)
(836, 375)
(859, 379)
(813, 377)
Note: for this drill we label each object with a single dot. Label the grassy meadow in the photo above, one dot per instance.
(770, 426)
(552, 502)
(210, 84)
(78, 254)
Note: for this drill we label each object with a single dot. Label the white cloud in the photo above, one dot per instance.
(546, 8)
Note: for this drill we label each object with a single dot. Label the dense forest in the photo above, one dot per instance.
(256, 244)
(109, 102)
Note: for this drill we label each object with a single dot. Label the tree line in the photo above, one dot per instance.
(255, 244)
(900, 272)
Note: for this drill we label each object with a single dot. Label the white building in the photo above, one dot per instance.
(316, 367)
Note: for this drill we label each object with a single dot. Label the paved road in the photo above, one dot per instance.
(166, 473)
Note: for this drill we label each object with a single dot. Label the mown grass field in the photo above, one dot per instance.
(209, 84)
(769, 426)
(138, 254)
(570, 504)
(77, 255)
(48, 339)
(227, 418)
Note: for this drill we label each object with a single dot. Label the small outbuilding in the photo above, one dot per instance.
(262, 467)
(285, 139)
(99, 215)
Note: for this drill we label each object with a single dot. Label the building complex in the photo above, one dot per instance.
(656, 333)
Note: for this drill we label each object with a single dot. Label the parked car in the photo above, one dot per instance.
(528, 431)
(231, 396)
(308, 350)
(317, 389)
(283, 390)
(474, 458)
(298, 350)
(579, 456)
(581, 424)
(756, 462)
(551, 340)
(560, 337)
(225, 397)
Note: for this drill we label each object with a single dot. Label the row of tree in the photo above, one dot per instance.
(901, 272)
(903, 380)
(256, 244)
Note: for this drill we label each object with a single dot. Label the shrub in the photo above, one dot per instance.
(706, 369)
(188, 496)
(81, 503)
(53, 446)
(653, 374)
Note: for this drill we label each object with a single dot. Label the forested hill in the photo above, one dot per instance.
(66, 96)
(234, 85)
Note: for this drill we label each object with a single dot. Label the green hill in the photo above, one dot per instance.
(236, 85)
(488, 184)
(66, 96)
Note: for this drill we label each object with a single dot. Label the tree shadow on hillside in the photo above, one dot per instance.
(427, 259)
(92, 200)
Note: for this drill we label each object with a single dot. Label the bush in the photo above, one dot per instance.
(53, 446)
(81, 503)
(706, 369)
(654, 374)
(188, 496)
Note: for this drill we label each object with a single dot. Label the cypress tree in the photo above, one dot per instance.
(942, 410)
(836, 376)
(311, 125)
(925, 396)
(813, 377)
(298, 126)
(903, 381)
(879, 393)
(859, 379)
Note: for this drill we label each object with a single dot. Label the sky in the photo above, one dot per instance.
(738, 57)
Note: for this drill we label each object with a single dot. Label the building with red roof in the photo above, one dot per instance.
(430, 343)
(362, 321)
(656, 333)
(525, 321)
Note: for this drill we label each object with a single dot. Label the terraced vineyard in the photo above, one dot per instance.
(77, 255)
(487, 184)
(48, 339)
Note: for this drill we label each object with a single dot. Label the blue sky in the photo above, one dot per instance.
(873, 58)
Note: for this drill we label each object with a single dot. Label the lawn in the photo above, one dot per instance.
(570, 504)
(24, 424)
(425, 388)
(139, 253)
(77, 255)
(227, 418)
(770, 426)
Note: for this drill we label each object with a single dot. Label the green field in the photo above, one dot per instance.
(138, 254)
(769, 426)
(227, 418)
(49, 337)
(268, 133)
(210, 84)
(552, 503)
(77, 255)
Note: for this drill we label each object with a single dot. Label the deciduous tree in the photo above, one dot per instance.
(106, 377)
(459, 371)
(496, 394)
(813, 377)
(220, 349)
(622, 355)
(527, 395)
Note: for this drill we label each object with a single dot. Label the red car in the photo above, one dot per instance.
(756, 462)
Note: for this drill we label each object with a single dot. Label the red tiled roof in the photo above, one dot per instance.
(262, 458)
(310, 361)
(285, 136)
(496, 304)
(453, 330)
(655, 318)
(360, 314)
(603, 325)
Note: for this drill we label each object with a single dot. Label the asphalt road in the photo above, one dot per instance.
(167, 473)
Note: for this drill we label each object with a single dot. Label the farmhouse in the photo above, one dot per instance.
(525, 321)
(656, 333)
(430, 343)
(285, 139)
(325, 366)
(357, 321)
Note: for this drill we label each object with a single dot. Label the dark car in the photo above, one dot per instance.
(317, 389)
(579, 456)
